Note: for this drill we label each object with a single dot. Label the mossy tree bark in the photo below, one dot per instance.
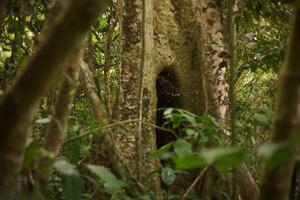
(181, 40)
(137, 44)
(22, 99)
(286, 125)
(180, 37)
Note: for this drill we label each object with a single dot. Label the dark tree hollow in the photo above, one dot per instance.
(167, 97)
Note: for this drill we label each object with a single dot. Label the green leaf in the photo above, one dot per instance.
(43, 121)
(164, 149)
(65, 168)
(274, 154)
(31, 153)
(176, 120)
(72, 150)
(174, 117)
(182, 147)
(238, 123)
(111, 183)
(168, 111)
(190, 161)
(168, 175)
(103, 22)
(71, 180)
(225, 158)
(191, 132)
(72, 187)
(190, 118)
(261, 118)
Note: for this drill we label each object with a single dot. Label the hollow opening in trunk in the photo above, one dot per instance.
(167, 97)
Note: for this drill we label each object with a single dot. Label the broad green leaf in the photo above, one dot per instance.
(182, 147)
(71, 180)
(174, 117)
(274, 154)
(215, 123)
(190, 161)
(72, 150)
(176, 120)
(168, 111)
(225, 158)
(168, 175)
(191, 119)
(111, 183)
(159, 152)
(72, 187)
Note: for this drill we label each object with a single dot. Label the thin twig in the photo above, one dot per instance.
(109, 126)
(101, 129)
(160, 128)
(201, 173)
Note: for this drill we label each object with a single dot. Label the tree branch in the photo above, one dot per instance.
(21, 101)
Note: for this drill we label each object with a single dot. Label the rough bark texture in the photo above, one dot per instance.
(167, 37)
(215, 55)
(136, 25)
(173, 55)
(21, 100)
(286, 126)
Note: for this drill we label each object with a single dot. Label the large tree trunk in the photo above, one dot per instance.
(173, 55)
(181, 42)
(277, 179)
(137, 46)
(21, 101)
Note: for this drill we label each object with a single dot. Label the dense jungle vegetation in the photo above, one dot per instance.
(149, 99)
